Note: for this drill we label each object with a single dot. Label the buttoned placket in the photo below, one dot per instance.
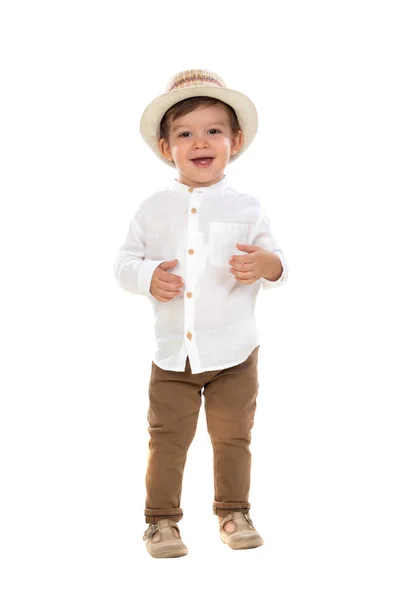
(190, 277)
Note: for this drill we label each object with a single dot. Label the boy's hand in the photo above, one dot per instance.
(258, 263)
(164, 286)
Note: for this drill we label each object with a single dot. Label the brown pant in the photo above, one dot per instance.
(175, 400)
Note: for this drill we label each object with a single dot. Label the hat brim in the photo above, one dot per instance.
(245, 110)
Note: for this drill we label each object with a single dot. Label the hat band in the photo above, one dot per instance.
(194, 80)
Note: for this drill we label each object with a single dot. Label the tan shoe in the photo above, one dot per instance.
(245, 534)
(161, 540)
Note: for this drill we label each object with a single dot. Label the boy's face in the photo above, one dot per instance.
(205, 132)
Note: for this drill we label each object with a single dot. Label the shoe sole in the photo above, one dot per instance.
(169, 553)
(243, 545)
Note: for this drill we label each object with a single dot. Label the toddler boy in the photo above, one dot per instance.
(200, 251)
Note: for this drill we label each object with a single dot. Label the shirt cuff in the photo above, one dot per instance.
(267, 283)
(145, 275)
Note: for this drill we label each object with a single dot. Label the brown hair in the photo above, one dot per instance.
(182, 108)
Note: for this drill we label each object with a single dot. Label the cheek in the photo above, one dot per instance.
(179, 148)
(226, 144)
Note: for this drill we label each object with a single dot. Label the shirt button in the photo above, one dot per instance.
(194, 210)
(189, 335)
(189, 295)
(190, 189)
(191, 251)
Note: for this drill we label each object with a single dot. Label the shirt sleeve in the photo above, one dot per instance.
(263, 237)
(132, 270)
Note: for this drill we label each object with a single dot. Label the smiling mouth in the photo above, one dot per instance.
(203, 162)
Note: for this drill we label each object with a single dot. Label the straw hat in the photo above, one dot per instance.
(197, 82)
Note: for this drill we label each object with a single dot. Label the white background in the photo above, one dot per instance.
(77, 349)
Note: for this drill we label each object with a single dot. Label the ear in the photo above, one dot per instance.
(164, 148)
(237, 142)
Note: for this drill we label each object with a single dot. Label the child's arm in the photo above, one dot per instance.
(263, 237)
(132, 270)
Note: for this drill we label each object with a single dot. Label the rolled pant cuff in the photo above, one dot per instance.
(153, 515)
(223, 508)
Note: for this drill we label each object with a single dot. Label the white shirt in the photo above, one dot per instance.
(212, 321)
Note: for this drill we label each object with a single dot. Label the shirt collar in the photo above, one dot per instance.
(215, 188)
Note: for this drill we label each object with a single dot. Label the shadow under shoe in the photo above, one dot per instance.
(245, 534)
(161, 541)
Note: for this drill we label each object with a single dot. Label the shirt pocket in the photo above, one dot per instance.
(223, 239)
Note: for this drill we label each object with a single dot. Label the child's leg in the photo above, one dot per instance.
(230, 405)
(174, 404)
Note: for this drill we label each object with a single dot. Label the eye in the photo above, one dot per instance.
(187, 133)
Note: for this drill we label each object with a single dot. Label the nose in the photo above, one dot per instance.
(200, 142)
